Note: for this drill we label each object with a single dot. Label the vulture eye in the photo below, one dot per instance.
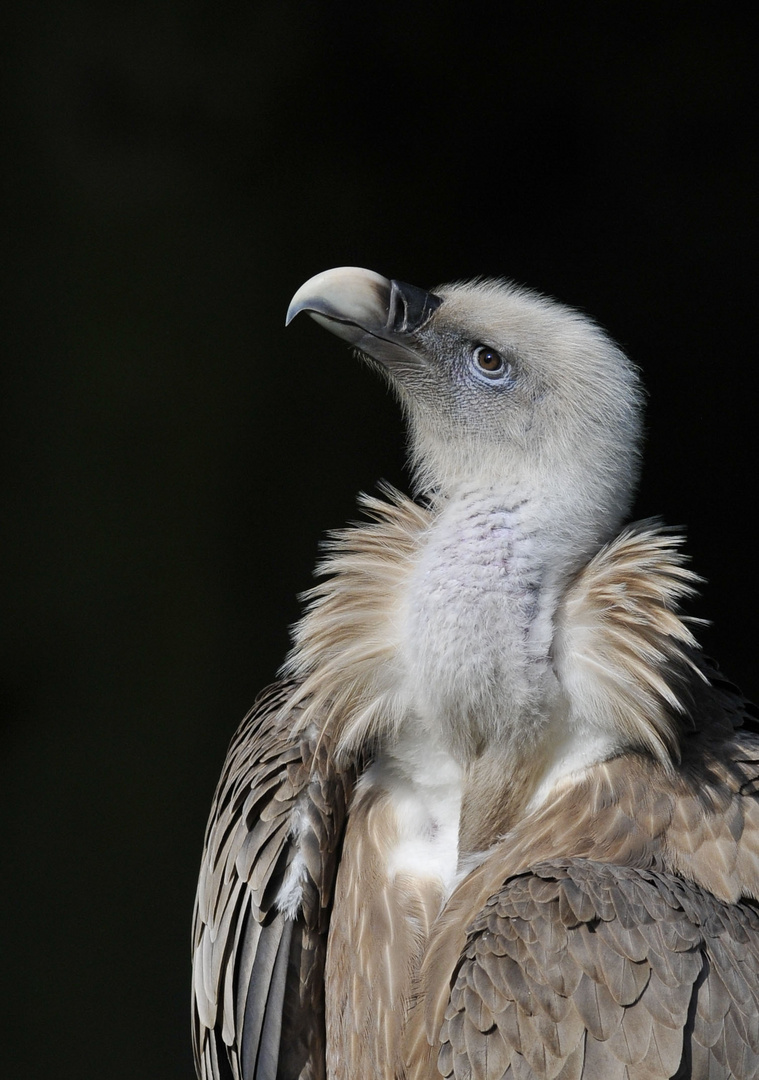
(490, 363)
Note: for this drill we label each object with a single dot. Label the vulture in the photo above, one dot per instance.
(499, 818)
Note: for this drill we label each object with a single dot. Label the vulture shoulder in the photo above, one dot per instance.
(613, 933)
(261, 912)
(579, 969)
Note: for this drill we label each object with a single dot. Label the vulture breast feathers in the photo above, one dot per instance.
(499, 818)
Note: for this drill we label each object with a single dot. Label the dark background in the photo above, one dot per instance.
(173, 172)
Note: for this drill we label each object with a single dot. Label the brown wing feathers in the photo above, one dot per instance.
(590, 969)
(629, 812)
(259, 985)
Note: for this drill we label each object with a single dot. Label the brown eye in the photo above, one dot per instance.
(489, 359)
(489, 362)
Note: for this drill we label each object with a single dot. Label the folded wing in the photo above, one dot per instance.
(262, 907)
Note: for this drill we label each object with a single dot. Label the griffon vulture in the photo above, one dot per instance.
(499, 818)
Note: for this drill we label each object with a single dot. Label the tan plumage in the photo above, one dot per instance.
(554, 883)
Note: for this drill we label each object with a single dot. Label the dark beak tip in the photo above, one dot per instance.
(411, 308)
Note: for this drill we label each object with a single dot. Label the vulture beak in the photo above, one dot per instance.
(378, 316)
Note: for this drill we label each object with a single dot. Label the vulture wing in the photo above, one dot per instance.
(578, 968)
(263, 901)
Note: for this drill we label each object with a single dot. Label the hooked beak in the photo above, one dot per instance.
(376, 315)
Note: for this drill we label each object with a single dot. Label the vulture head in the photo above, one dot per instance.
(503, 389)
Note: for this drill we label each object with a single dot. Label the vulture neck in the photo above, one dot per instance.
(479, 605)
(477, 654)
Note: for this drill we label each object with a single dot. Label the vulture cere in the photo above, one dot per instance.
(499, 818)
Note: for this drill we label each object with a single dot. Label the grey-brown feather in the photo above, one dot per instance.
(622, 972)
(259, 974)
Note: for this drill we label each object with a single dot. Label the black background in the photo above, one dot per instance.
(173, 172)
